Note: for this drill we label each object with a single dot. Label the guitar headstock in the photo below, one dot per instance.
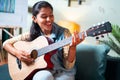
(99, 29)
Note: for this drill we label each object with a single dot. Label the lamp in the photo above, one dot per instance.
(72, 26)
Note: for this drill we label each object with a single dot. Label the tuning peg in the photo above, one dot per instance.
(102, 36)
(103, 22)
(97, 38)
(98, 23)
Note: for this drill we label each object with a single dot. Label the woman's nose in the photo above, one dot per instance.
(48, 19)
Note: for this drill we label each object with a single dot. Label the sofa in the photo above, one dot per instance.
(92, 63)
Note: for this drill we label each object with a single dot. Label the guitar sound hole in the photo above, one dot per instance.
(34, 54)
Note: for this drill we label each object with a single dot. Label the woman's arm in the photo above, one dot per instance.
(70, 50)
(22, 55)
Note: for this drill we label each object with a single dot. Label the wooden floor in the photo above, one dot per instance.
(2, 61)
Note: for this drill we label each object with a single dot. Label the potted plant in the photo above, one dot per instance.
(113, 39)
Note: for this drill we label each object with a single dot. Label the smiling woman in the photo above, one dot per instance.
(43, 25)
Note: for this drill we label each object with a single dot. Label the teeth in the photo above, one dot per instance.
(48, 23)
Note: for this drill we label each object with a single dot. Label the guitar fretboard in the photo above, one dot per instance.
(56, 45)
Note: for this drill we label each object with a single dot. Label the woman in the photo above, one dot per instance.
(43, 25)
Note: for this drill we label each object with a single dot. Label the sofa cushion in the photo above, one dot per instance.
(91, 61)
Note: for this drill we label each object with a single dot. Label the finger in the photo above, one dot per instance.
(26, 59)
(26, 54)
(23, 58)
(83, 36)
(72, 42)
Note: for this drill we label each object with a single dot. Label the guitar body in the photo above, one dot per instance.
(40, 62)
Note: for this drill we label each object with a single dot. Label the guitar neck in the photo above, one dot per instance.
(56, 45)
(92, 31)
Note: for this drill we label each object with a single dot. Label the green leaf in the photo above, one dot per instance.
(113, 40)
(116, 32)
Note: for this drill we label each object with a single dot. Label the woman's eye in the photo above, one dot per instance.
(44, 17)
(51, 15)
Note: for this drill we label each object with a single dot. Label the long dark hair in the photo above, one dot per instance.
(35, 29)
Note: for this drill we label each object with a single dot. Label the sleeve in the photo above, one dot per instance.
(22, 37)
(67, 64)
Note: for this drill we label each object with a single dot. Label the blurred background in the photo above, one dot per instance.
(85, 13)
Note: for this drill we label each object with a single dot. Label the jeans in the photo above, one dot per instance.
(47, 75)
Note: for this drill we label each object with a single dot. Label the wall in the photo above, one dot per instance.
(18, 18)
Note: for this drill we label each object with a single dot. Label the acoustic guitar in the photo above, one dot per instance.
(41, 49)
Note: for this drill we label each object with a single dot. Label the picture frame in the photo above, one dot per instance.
(7, 6)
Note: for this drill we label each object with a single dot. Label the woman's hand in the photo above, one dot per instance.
(76, 39)
(24, 56)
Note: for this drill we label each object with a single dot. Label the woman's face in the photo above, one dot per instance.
(44, 19)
